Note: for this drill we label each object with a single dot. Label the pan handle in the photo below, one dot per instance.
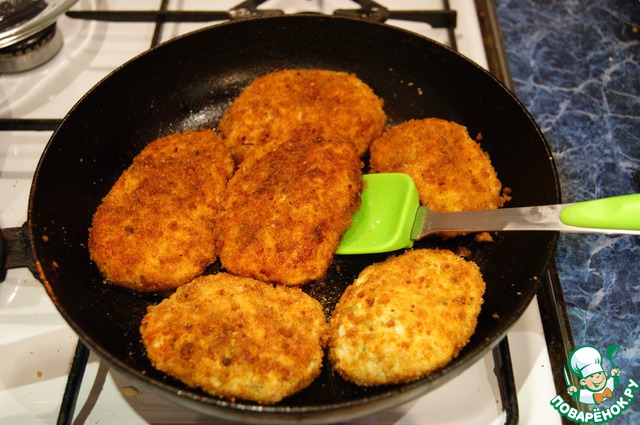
(15, 251)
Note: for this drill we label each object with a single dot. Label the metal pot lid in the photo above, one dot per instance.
(21, 19)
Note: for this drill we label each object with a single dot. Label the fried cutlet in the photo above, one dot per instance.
(450, 170)
(283, 214)
(405, 317)
(274, 104)
(237, 337)
(154, 229)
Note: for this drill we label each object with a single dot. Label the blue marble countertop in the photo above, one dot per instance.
(576, 67)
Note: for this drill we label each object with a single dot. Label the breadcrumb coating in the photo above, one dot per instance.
(283, 214)
(154, 229)
(274, 104)
(237, 338)
(405, 317)
(450, 170)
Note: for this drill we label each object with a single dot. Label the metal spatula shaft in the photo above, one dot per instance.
(505, 219)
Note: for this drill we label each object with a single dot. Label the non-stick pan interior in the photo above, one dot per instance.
(188, 83)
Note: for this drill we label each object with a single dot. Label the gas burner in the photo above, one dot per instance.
(28, 35)
(31, 52)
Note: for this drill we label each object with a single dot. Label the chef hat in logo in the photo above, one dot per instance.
(585, 361)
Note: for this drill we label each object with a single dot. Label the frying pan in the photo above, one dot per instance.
(188, 83)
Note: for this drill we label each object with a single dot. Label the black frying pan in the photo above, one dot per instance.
(187, 84)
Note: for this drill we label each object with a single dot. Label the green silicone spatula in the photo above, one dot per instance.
(392, 218)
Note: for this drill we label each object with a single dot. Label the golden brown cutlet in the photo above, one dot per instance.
(450, 170)
(154, 229)
(276, 103)
(237, 337)
(405, 317)
(283, 214)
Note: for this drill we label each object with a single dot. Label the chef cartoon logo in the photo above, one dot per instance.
(594, 387)
(596, 384)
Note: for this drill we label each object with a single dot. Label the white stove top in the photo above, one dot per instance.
(36, 345)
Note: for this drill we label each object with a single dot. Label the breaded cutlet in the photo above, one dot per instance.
(450, 170)
(405, 317)
(154, 229)
(237, 337)
(278, 102)
(283, 214)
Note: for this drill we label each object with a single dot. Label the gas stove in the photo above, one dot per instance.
(513, 382)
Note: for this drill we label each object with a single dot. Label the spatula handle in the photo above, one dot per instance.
(618, 215)
(619, 212)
